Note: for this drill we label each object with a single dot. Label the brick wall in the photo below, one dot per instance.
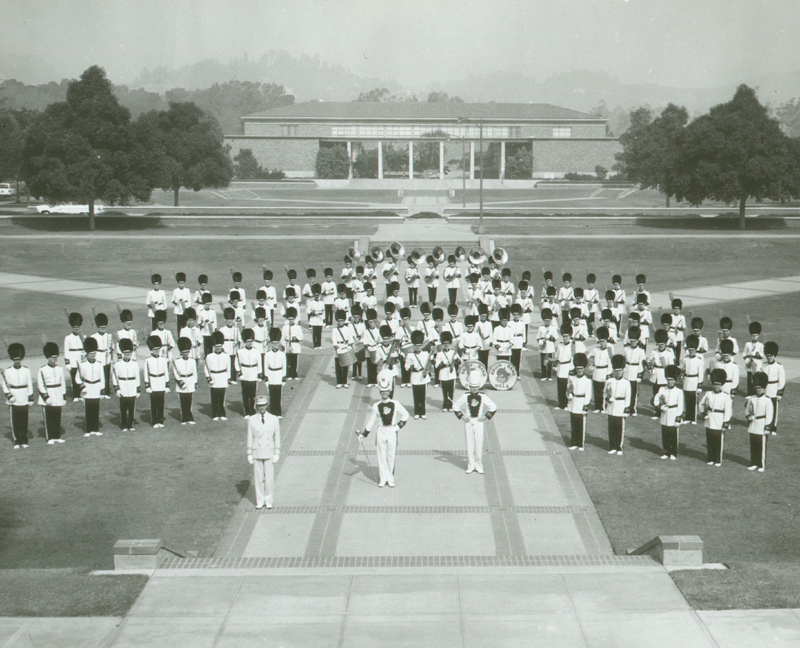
(561, 156)
(578, 130)
(295, 157)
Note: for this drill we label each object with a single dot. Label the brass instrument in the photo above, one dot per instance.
(460, 254)
(376, 255)
(418, 254)
(397, 250)
(438, 254)
(500, 256)
(477, 256)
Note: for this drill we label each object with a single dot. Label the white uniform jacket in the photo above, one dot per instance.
(717, 408)
(92, 377)
(125, 378)
(475, 407)
(217, 368)
(185, 372)
(18, 385)
(670, 403)
(248, 363)
(52, 385)
(579, 393)
(263, 436)
(693, 370)
(274, 367)
(386, 415)
(617, 396)
(156, 374)
(760, 408)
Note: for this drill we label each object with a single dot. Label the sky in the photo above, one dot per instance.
(682, 43)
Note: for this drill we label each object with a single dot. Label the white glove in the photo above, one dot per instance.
(250, 459)
(276, 458)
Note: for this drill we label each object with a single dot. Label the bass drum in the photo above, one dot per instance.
(502, 375)
(467, 368)
(360, 350)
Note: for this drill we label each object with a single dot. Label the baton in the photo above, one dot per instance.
(366, 456)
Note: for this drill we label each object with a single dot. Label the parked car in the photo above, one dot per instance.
(68, 208)
(7, 190)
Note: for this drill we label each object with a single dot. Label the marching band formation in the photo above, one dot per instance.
(598, 365)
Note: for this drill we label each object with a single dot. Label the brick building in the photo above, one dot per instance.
(561, 140)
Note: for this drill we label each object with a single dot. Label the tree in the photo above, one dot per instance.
(519, 162)
(245, 165)
(601, 172)
(366, 164)
(788, 115)
(191, 149)
(13, 127)
(735, 152)
(441, 97)
(376, 95)
(332, 162)
(650, 154)
(84, 149)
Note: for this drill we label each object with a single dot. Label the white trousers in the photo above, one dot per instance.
(474, 434)
(386, 443)
(264, 478)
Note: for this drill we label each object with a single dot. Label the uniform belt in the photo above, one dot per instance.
(161, 375)
(52, 386)
(218, 370)
(249, 366)
(671, 406)
(718, 411)
(91, 382)
(579, 395)
(126, 377)
(773, 382)
(632, 364)
(180, 375)
(691, 375)
(275, 368)
(761, 417)
(620, 398)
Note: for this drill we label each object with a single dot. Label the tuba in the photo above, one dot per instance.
(376, 254)
(477, 256)
(460, 254)
(500, 256)
(397, 250)
(418, 254)
(354, 254)
(438, 254)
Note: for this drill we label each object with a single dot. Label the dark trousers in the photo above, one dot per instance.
(590, 323)
(358, 368)
(419, 399)
(448, 389)
(52, 422)
(181, 323)
(328, 314)
(690, 405)
(19, 424)
(678, 352)
(516, 360)
(598, 388)
(715, 440)
(217, 402)
(669, 439)
(432, 295)
(405, 375)
(76, 389)
(452, 293)
(413, 296)
(634, 396)
(92, 411)
(275, 394)
(616, 432)
(773, 425)
(153, 322)
(157, 407)
(291, 365)
(233, 373)
(127, 405)
(186, 407)
(341, 372)
(483, 356)
(316, 336)
(758, 450)
(372, 373)
(546, 364)
(577, 424)
(107, 373)
(562, 383)
(248, 396)
(208, 347)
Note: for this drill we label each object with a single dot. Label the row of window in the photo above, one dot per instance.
(379, 131)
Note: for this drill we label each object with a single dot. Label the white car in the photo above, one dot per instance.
(6, 189)
(68, 209)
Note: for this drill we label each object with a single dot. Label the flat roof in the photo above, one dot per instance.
(358, 110)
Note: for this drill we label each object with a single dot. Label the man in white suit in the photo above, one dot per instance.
(263, 451)
(474, 407)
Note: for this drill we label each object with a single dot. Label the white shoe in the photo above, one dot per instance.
(469, 470)
(573, 447)
(216, 418)
(381, 484)
(347, 386)
(192, 422)
(612, 452)
(665, 456)
(223, 418)
(655, 418)
(101, 434)
(774, 433)
(580, 449)
(717, 465)
(269, 506)
(752, 468)
(543, 379)
(51, 442)
(635, 414)
(619, 453)
(390, 484)
(87, 434)
(183, 422)
(693, 422)
(424, 416)
(596, 411)
(280, 417)
(131, 429)
(416, 416)
(338, 386)
(673, 458)
(16, 447)
(25, 445)
(759, 470)
(479, 470)
(709, 463)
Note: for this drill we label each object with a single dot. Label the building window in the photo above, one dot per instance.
(515, 131)
(290, 130)
(562, 131)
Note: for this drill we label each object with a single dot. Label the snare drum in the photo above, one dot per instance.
(360, 350)
(347, 358)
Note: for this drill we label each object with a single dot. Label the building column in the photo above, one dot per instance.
(472, 160)
(350, 160)
(410, 160)
(533, 164)
(441, 160)
(380, 160)
(502, 160)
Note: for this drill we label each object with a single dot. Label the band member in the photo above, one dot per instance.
(272, 294)
(753, 354)
(474, 407)
(431, 277)
(388, 357)
(156, 380)
(485, 329)
(563, 364)
(447, 362)
(371, 339)
(156, 300)
(275, 372)
(617, 404)
(263, 451)
(600, 366)
(679, 325)
(759, 413)
(232, 340)
(105, 348)
(126, 382)
(52, 391)
(249, 367)
(217, 369)
(634, 366)
(207, 321)
(716, 407)
(452, 276)
(579, 397)
(192, 333)
(73, 351)
(390, 274)
(503, 337)
(388, 416)
(181, 300)
(91, 378)
(725, 327)
(776, 382)
(328, 296)
(728, 364)
(519, 336)
(669, 402)
(237, 287)
(202, 280)
(692, 370)
(342, 338)
(660, 358)
(18, 388)
(403, 334)
(292, 337)
(165, 335)
(315, 308)
(592, 297)
(418, 365)
(412, 281)
(547, 336)
(358, 328)
(185, 371)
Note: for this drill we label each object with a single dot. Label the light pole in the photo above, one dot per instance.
(479, 124)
